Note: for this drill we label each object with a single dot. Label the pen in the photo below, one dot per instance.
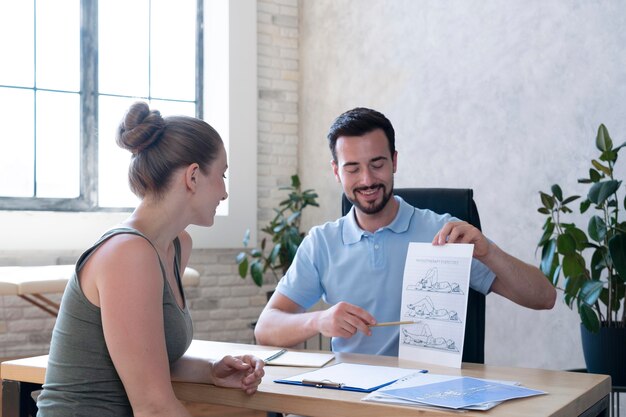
(392, 323)
(275, 355)
(322, 384)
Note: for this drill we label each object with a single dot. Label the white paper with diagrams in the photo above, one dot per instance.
(434, 295)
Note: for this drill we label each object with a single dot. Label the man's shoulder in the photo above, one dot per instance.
(426, 222)
(427, 215)
(330, 228)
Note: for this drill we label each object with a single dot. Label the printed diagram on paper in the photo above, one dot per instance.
(434, 296)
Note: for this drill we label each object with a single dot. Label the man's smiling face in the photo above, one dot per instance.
(365, 169)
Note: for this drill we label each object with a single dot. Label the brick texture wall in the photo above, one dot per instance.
(223, 305)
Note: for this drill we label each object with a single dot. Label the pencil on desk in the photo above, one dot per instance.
(392, 323)
(275, 355)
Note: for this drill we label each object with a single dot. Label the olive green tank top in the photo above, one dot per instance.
(81, 379)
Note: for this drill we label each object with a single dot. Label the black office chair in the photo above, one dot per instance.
(459, 203)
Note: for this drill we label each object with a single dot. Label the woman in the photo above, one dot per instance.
(124, 322)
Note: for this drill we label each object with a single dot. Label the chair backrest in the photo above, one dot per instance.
(459, 203)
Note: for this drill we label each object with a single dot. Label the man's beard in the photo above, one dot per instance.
(375, 208)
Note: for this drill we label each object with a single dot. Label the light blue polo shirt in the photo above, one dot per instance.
(339, 261)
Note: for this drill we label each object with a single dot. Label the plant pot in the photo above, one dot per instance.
(605, 352)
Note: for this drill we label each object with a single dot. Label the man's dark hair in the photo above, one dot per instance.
(358, 122)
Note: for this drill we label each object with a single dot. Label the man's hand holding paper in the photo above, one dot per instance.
(463, 232)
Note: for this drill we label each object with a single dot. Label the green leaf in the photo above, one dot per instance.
(584, 205)
(600, 191)
(597, 165)
(619, 147)
(274, 253)
(566, 244)
(295, 181)
(589, 318)
(240, 257)
(555, 274)
(609, 156)
(580, 237)
(572, 287)
(596, 228)
(256, 270)
(603, 140)
(547, 257)
(617, 249)
(294, 216)
(594, 175)
(292, 248)
(570, 199)
(597, 263)
(243, 266)
(547, 234)
(543, 210)
(573, 265)
(246, 238)
(590, 292)
(547, 200)
(556, 190)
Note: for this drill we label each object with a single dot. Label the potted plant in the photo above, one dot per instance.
(284, 234)
(595, 284)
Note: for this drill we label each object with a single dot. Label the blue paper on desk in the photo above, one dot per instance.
(350, 377)
(462, 392)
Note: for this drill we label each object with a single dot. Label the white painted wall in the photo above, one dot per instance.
(501, 97)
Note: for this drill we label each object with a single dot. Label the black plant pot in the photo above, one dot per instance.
(605, 352)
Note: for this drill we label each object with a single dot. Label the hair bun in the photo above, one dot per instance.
(140, 128)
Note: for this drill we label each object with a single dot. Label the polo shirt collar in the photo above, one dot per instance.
(352, 233)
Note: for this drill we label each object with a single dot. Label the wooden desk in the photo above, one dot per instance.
(32, 282)
(569, 393)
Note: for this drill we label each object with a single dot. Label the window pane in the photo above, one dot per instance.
(58, 145)
(16, 25)
(16, 142)
(123, 47)
(173, 108)
(113, 160)
(173, 54)
(58, 44)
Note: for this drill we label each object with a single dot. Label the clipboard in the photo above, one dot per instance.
(350, 377)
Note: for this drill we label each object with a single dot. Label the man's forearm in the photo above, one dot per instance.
(279, 328)
(518, 281)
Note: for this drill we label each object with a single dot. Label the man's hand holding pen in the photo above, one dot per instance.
(344, 320)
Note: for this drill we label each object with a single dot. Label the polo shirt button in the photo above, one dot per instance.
(376, 246)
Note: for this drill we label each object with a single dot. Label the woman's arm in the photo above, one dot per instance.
(130, 291)
(243, 372)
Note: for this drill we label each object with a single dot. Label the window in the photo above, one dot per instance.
(77, 66)
(229, 78)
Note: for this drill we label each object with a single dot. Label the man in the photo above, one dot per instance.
(356, 263)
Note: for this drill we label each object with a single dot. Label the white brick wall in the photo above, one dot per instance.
(223, 305)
